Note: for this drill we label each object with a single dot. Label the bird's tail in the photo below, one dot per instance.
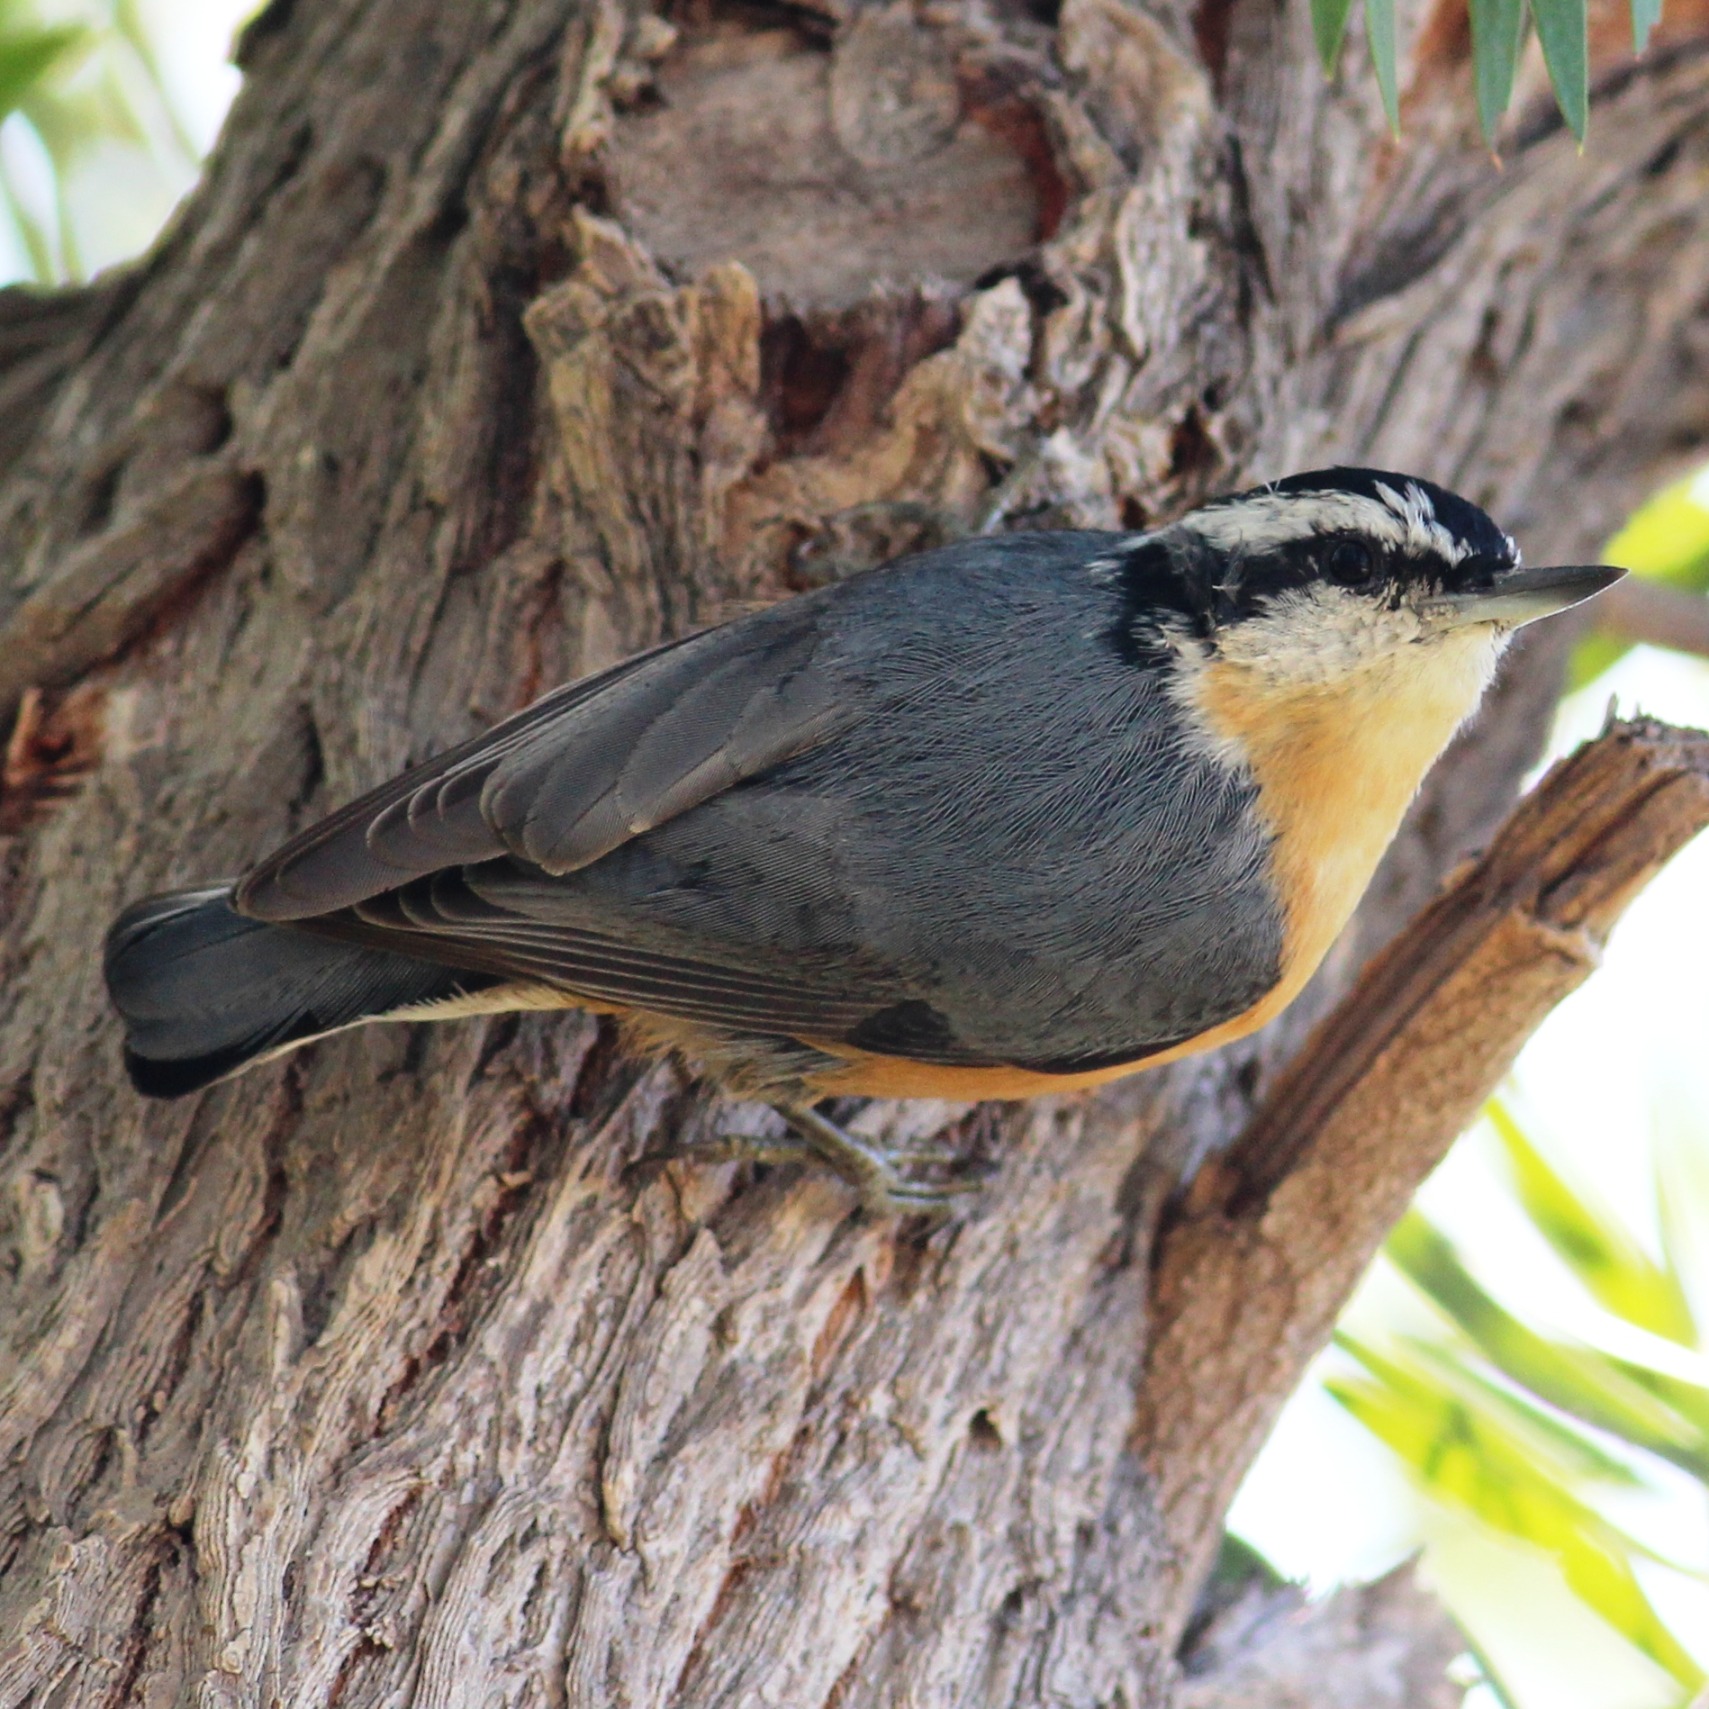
(204, 991)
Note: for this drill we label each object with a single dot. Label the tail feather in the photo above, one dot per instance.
(204, 991)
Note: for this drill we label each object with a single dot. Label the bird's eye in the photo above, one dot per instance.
(1347, 562)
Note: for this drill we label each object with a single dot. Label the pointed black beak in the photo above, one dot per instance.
(1516, 596)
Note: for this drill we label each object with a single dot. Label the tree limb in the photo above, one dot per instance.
(1654, 613)
(1384, 1645)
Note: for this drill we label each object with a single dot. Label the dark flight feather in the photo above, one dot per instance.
(571, 777)
(203, 990)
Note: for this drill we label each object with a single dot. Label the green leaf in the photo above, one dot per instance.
(1379, 30)
(1604, 1581)
(1498, 27)
(1497, 1686)
(1328, 26)
(1577, 1379)
(1562, 1448)
(1679, 1394)
(117, 98)
(28, 55)
(1590, 1241)
(1563, 32)
(1467, 1460)
(1667, 537)
(1238, 1564)
(1646, 14)
(1463, 1451)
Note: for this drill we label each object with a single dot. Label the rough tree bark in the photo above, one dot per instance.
(500, 340)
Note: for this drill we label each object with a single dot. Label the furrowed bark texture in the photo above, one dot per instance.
(503, 339)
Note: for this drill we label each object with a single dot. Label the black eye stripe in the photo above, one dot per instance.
(1342, 560)
(1348, 561)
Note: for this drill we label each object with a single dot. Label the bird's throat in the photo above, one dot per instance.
(1337, 765)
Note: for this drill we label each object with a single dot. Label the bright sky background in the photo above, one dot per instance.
(1619, 1062)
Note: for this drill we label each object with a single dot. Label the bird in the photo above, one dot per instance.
(1014, 816)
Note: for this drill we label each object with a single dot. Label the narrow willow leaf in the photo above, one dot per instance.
(1646, 14)
(1667, 536)
(1590, 1240)
(1379, 31)
(26, 57)
(1328, 26)
(1498, 27)
(1549, 1440)
(1466, 1461)
(1566, 51)
(1577, 1379)
(1679, 1394)
(1455, 1403)
(1492, 1680)
(1603, 1580)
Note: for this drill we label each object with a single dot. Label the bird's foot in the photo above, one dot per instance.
(882, 1175)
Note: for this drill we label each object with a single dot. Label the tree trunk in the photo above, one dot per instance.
(502, 340)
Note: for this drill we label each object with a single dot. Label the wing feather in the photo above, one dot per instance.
(334, 863)
(872, 814)
(662, 746)
(571, 777)
(441, 919)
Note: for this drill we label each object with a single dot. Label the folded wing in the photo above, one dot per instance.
(573, 776)
(466, 861)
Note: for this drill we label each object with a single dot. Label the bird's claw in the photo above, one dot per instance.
(878, 1173)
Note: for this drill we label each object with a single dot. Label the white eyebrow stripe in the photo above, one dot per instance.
(1267, 519)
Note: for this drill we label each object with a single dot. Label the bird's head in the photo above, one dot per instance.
(1343, 572)
(1324, 637)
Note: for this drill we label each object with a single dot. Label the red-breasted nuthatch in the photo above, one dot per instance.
(1016, 816)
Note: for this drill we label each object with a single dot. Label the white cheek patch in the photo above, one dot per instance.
(1318, 636)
